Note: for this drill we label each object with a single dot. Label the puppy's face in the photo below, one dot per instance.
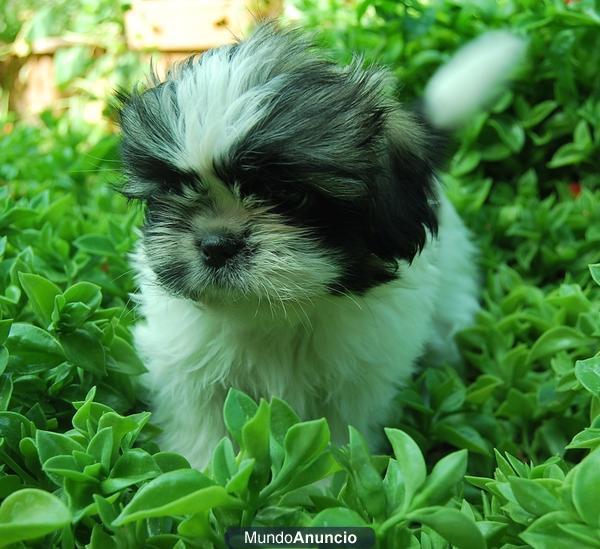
(270, 173)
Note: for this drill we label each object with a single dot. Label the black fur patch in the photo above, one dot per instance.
(323, 154)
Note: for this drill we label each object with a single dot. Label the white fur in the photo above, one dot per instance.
(472, 77)
(342, 357)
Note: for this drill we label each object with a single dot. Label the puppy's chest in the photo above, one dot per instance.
(272, 359)
(284, 361)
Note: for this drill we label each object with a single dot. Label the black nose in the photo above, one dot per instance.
(217, 249)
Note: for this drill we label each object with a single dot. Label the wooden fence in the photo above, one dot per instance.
(170, 29)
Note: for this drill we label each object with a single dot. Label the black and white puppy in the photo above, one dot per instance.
(296, 243)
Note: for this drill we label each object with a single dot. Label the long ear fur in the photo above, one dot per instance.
(404, 206)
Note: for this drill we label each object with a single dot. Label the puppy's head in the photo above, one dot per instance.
(269, 172)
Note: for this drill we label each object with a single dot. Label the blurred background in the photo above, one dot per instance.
(525, 176)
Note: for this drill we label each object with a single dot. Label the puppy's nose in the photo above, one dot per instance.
(217, 249)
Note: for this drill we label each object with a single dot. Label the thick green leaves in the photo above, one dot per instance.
(588, 374)
(586, 487)
(368, 483)
(32, 348)
(538, 497)
(85, 351)
(41, 293)
(410, 462)
(445, 476)
(452, 525)
(181, 492)
(304, 442)
(238, 409)
(29, 514)
(336, 517)
(133, 467)
(524, 179)
(255, 442)
(557, 339)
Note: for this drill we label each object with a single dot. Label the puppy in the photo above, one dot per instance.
(296, 241)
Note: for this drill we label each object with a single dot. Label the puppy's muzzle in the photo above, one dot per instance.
(216, 249)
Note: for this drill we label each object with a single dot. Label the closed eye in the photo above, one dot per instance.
(166, 176)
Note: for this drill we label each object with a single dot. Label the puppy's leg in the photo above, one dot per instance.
(191, 419)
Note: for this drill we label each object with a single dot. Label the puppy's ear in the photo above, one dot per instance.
(404, 204)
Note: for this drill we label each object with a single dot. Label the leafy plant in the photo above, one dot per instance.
(499, 452)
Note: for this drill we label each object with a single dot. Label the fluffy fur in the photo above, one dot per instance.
(296, 243)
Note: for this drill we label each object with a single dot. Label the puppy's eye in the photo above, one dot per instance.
(167, 177)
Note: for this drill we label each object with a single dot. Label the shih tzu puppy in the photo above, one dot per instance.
(296, 241)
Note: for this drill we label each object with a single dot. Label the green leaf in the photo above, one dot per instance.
(133, 467)
(67, 467)
(6, 389)
(84, 292)
(479, 391)
(4, 330)
(582, 136)
(546, 533)
(123, 358)
(586, 487)
(368, 483)
(168, 461)
(238, 483)
(536, 496)
(394, 485)
(84, 351)
(282, 418)
(101, 540)
(583, 534)
(588, 438)
(124, 429)
(41, 293)
(588, 374)
(410, 461)
(238, 409)
(566, 155)
(557, 339)
(181, 492)
(96, 244)
(32, 348)
(337, 517)
(539, 112)
(51, 444)
(3, 358)
(443, 480)
(196, 526)
(461, 436)
(29, 514)
(594, 271)
(101, 447)
(255, 442)
(321, 467)
(303, 443)
(510, 133)
(452, 525)
(465, 163)
(14, 427)
(223, 465)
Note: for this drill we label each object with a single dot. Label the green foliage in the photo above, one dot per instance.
(500, 452)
